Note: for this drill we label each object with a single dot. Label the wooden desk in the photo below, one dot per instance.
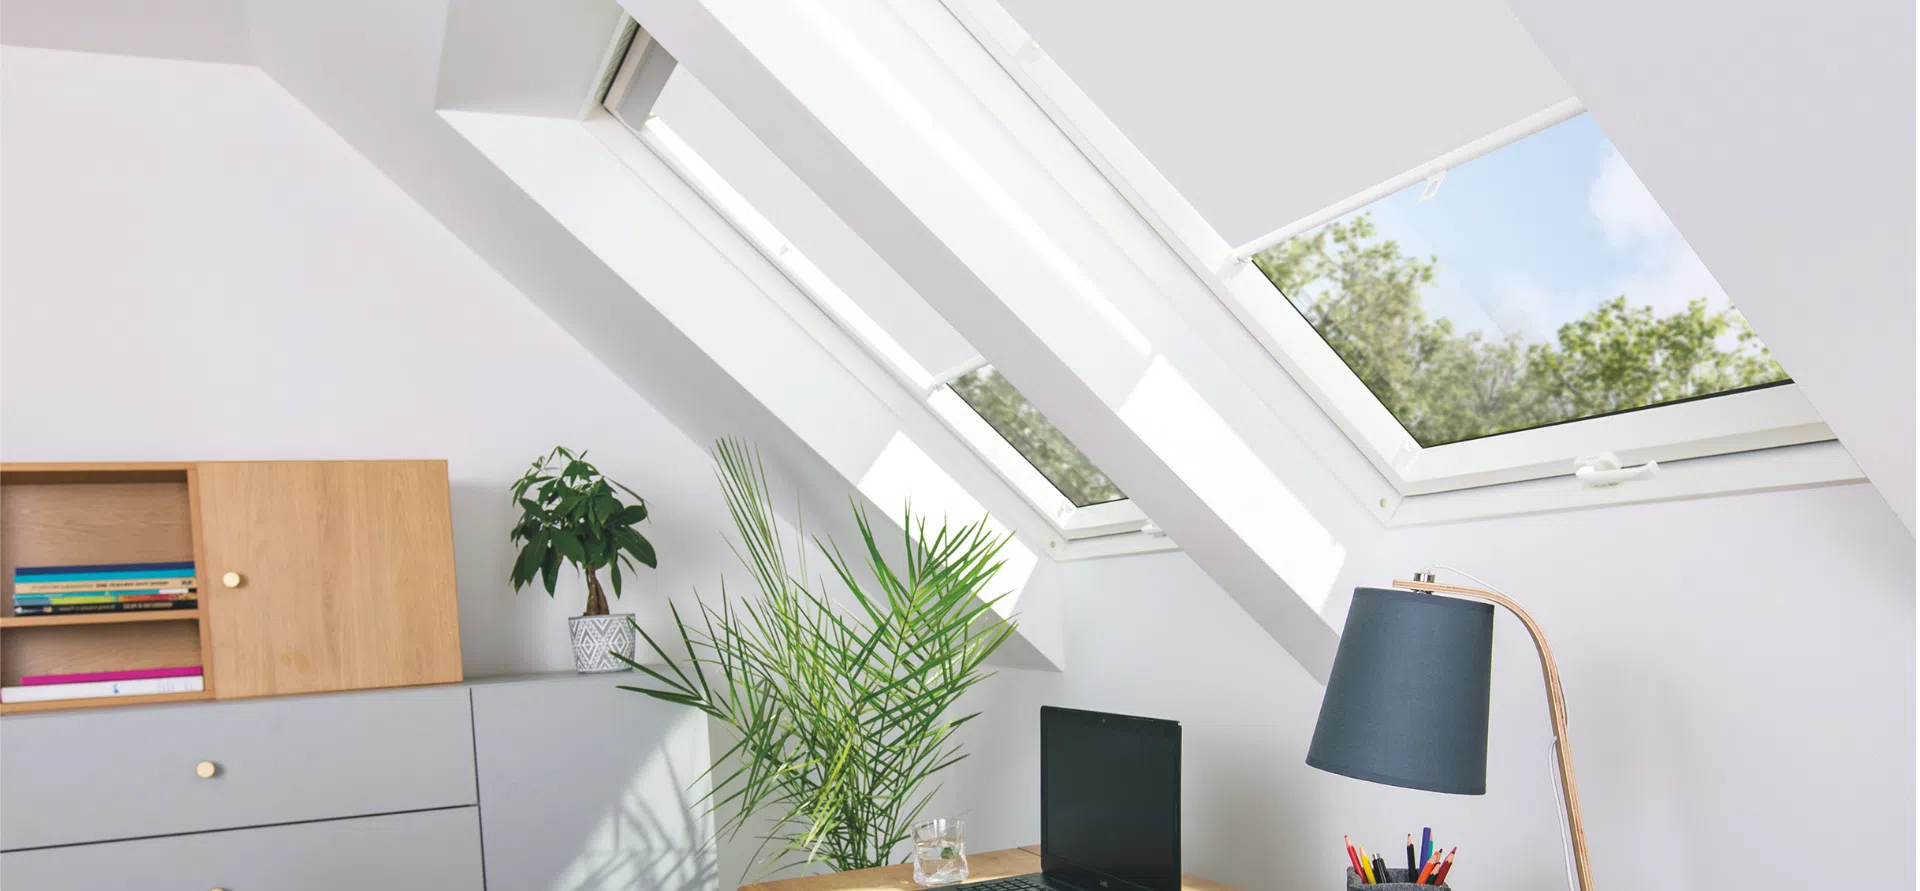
(980, 867)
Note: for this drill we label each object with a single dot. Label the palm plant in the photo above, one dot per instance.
(571, 512)
(841, 715)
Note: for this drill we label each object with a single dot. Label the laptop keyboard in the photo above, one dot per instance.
(1015, 883)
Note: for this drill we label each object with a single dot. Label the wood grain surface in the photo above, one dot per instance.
(74, 523)
(347, 569)
(980, 867)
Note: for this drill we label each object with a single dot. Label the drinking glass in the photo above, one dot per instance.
(940, 852)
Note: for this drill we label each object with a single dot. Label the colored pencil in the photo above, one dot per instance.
(1354, 856)
(1366, 864)
(1440, 878)
(1413, 865)
(1425, 871)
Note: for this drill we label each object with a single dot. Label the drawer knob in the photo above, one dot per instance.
(232, 580)
(206, 769)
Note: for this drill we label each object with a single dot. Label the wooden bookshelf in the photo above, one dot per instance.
(313, 576)
(76, 514)
(14, 708)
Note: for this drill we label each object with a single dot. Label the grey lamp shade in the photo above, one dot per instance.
(1406, 704)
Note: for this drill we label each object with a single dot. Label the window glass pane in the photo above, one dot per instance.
(1536, 284)
(816, 231)
(1041, 443)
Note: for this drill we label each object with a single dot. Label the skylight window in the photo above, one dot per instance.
(1511, 326)
(1537, 284)
(713, 152)
(1039, 442)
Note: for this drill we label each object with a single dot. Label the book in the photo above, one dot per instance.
(105, 570)
(65, 610)
(88, 585)
(103, 596)
(179, 671)
(101, 689)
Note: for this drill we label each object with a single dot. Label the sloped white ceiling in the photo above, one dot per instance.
(202, 30)
(1779, 137)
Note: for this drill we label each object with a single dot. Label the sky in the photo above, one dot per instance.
(1538, 233)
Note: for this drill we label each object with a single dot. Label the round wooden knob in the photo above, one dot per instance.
(206, 769)
(232, 580)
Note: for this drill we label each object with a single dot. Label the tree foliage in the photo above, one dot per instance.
(1365, 297)
(1037, 440)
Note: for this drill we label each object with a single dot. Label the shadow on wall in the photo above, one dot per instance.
(642, 843)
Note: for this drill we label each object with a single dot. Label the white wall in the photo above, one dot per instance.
(189, 250)
(1739, 673)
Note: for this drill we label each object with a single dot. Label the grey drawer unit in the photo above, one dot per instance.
(403, 852)
(131, 772)
(587, 787)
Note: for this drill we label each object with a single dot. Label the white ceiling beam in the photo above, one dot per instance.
(912, 163)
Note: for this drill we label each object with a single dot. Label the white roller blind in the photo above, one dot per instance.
(1264, 111)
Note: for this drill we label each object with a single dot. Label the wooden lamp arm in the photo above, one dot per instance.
(1556, 708)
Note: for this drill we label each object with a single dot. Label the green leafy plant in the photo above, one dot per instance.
(570, 512)
(840, 714)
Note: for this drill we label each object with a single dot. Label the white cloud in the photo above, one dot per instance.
(1625, 209)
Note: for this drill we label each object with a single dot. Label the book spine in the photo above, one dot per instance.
(100, 689)
(102, 596)
(103, 585)
(165, 568)
(20, 578)
(94, 677)
(71, 609)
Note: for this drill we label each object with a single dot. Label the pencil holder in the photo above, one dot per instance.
(1398, 880)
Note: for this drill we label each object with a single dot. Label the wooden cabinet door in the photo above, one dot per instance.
(345, 575)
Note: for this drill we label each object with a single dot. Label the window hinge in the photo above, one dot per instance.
(1602, 470)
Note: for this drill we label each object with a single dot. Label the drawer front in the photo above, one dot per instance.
(430, 849)
(132, 771)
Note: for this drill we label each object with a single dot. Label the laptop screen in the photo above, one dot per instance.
(1109, 800)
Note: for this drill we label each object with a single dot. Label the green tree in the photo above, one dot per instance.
(1365, 298)
(1042, 444)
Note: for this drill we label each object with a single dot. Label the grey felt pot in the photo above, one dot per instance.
(1401, 881)
(597, 638)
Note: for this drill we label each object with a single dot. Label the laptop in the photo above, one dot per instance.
(1109, 805)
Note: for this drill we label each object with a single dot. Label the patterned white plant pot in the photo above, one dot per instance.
(597, 638)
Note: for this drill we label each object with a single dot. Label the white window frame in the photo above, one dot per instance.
(1094, 530)
(1452, 478)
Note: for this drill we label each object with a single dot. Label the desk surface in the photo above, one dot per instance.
(980, 867)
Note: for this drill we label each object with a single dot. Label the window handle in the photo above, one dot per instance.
(1604, 470)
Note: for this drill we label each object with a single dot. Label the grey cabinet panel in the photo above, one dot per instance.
(586, 787)
(402, 852)
(129, 772)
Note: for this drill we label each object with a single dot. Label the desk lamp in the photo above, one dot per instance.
(1406, 704)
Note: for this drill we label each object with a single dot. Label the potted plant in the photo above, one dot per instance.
(570, 512)
(842, 714)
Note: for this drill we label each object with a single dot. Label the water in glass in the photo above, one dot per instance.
(940, 852)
